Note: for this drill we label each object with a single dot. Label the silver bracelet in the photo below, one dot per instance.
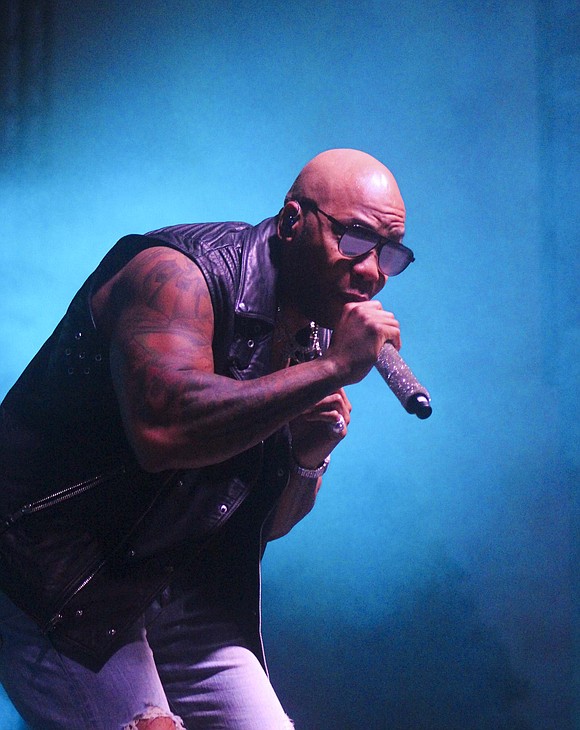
(295, 468)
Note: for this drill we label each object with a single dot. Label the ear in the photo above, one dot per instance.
(288, 219)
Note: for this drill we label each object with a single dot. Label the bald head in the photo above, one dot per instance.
(341, 175)
(338, 188)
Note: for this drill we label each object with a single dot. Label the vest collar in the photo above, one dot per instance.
(257, 293)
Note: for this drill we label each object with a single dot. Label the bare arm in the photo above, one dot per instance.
(313, 438)
(177, 412)
(295, 502)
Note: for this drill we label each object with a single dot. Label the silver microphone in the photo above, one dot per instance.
(398, 376)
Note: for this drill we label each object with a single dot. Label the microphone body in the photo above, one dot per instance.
(398, 376)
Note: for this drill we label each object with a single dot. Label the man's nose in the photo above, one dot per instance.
(367, 267)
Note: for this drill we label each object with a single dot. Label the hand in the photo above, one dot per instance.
(313, 436)
(363, 329)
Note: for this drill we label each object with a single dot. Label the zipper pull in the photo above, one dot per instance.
(14, 517)
(53, 623)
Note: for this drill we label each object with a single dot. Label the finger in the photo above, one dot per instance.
(328, 414)
(339, 426)
(334, 401)
(395, 339)
(347, 403)
(392, 330)
(329, 417)
(336, 421)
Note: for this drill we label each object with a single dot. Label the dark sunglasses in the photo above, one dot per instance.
(356, 240)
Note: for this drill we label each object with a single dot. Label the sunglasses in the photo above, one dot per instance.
(356, 240)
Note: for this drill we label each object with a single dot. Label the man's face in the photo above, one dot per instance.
(324, 279)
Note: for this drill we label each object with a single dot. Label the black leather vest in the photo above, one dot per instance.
(89, 538)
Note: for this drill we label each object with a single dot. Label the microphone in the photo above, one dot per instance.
(398, 376)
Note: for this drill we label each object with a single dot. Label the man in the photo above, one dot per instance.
(159, 439)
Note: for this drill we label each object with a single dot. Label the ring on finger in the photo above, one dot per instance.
(339, 425)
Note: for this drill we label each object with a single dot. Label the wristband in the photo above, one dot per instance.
(295, 468)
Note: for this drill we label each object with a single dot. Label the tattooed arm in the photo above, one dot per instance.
(176, 411)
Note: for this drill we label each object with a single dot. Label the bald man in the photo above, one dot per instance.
(181, 415)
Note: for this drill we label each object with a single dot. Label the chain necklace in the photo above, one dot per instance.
(301, 347)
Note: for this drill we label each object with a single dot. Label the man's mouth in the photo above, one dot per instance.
(355, 296)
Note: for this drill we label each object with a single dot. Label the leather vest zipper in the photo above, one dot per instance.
(57, 617)
(58, 497)
(76, 587)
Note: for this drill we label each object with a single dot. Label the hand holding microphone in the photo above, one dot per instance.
(396, 373)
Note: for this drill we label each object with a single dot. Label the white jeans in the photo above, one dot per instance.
(190, 661)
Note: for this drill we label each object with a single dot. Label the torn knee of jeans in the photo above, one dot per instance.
(154, 718)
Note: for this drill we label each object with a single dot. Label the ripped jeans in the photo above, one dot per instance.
(189, 664)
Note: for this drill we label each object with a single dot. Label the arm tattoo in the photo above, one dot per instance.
(164, 327)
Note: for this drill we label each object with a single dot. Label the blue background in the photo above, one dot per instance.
(432, 586)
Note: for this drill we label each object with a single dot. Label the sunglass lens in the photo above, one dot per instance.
(393, 260)
(351, 244)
